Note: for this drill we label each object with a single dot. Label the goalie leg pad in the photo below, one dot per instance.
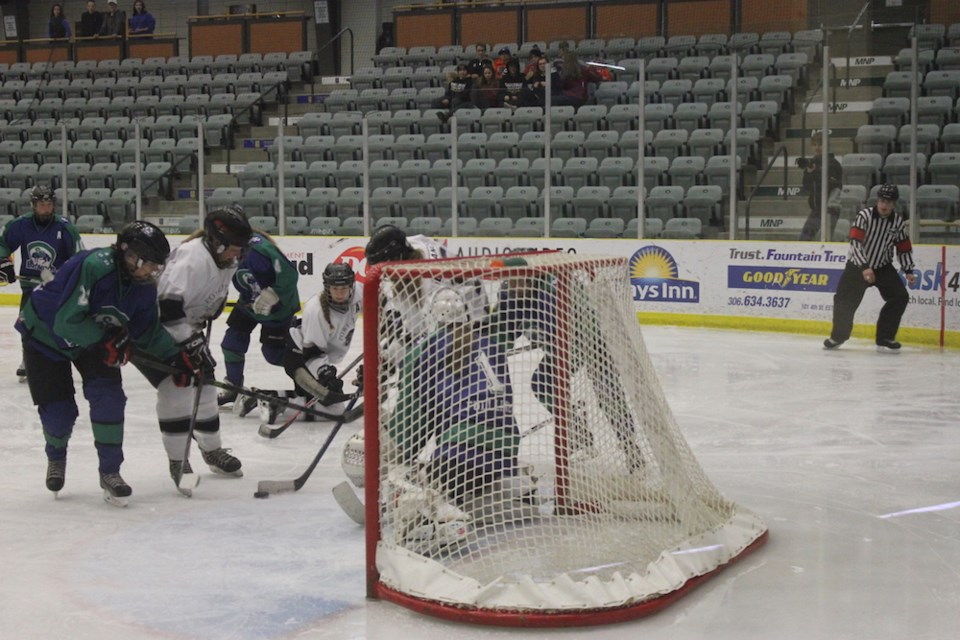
(421, 514)
(352, 459)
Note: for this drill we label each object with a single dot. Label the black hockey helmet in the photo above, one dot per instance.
(147, 242)
(387, 243)
(888, 192)
(42, 193)
(338, 274)
(228, 226)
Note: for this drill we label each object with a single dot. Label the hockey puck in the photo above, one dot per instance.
(261, 494)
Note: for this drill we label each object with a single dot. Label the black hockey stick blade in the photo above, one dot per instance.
(344, 495)
(267, 487)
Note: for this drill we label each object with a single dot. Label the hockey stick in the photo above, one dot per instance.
(348, 501)
(266, 487)
(187, 482)
(150, 363)
(351, 505)
(269, 431)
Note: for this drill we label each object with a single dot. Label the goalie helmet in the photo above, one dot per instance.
(888, 192)
(338, 274)
(148, 243)
(447, 306)
(388, 243)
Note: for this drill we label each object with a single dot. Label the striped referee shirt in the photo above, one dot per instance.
(873, 239)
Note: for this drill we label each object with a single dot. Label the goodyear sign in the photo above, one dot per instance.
(783, 278)
(655, 277)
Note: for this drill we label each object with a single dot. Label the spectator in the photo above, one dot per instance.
(91, 21)
(532, 62)
(58, 26)
(475, 66)
(511, 85)
(500, 64)
(457, 95)
(812, 174)
(141, 22)
(115, 22)
(574, 78)
(486, 91)
(534, 88)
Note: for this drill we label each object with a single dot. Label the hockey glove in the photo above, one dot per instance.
(311, 385)
(327, 376)
(7, 274)
(115, 350)
(194, 359)
(46, 276)
(265, 302)
(358, 380)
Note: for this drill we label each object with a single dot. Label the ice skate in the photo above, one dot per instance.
(269, 411)
(21, 372)
(244, 406)
(56, 474)
(115, 489)
(830, 344)
(227, 397)
(220, 461)
(178, 470)
(888, 346)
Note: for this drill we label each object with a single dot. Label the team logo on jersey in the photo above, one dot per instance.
(110, 317)
(245, 280)
(655, 277)
(40, 256)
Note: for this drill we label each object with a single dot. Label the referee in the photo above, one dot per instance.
(874, 234)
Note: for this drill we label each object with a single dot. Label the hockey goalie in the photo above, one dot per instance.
(453, 435)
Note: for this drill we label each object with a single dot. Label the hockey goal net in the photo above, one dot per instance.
(522, 464)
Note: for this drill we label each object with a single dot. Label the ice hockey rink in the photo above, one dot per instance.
(852, 458)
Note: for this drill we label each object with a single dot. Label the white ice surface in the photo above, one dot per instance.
(820, 444)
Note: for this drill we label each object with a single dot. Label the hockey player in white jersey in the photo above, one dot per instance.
(320, 338)
(192, 291)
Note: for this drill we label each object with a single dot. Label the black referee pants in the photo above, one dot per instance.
(849, 295)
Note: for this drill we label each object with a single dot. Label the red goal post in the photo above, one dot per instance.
(522, 465)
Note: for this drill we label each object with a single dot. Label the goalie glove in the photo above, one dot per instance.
(7, 273)
(115, 350)
(265, 302)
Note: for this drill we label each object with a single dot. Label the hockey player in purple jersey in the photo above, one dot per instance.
(267, 283)
(45, 241)
(99, 304)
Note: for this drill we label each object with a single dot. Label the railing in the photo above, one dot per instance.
(249, 108)
(781, 150)
(334, 39)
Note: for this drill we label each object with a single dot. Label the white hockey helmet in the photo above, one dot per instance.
(447, 306)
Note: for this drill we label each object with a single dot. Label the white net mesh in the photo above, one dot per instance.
(527, 457)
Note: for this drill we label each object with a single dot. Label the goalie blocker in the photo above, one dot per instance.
(597, 513)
